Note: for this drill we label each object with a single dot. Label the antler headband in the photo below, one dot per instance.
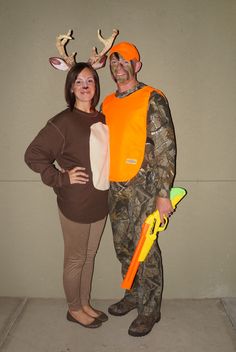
(97, 60)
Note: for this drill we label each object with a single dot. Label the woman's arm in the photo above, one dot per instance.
(42, 153)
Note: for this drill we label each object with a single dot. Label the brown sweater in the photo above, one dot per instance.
(66, 140)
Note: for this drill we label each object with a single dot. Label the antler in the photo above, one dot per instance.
(97, 60)
(62, 40)
(66, 61)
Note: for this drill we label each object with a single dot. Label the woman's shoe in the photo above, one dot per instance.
(101, 316)
(95, 324)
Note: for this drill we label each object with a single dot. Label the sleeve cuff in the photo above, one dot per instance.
(64, 178)
(163, 193)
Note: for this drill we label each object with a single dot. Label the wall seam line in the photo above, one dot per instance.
(12, 322)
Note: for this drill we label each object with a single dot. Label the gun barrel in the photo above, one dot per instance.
(134, 264)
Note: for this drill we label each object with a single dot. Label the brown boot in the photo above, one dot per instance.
(122, 307)
(142, 325)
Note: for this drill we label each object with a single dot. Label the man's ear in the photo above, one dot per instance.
(137, 66)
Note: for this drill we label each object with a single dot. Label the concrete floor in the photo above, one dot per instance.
(39, 325)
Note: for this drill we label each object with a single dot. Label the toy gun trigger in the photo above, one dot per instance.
(154, 227)
(163, 227)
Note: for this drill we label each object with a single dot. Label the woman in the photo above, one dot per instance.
(77, 139)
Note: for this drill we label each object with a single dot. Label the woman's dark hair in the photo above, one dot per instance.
(70, 80)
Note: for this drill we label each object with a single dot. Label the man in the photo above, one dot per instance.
(143, 151)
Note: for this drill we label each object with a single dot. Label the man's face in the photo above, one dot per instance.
(122, 70)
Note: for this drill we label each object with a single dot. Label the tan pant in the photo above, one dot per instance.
(81, 242)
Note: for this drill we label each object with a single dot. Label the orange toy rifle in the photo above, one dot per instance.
(150, 229)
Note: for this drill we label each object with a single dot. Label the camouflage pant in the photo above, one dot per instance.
(129, 204)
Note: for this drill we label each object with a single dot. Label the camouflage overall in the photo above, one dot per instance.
(131, 202)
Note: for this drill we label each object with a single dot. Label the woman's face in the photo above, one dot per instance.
(84, 86)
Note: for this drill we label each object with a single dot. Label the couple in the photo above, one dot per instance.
(136, 119)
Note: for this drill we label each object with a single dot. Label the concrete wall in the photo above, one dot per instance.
(188, 51)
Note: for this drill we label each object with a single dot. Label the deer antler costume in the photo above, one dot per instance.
(97, 60)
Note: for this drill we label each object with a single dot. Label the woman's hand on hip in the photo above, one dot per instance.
(77, 175)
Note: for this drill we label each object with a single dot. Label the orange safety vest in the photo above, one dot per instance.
(127, 120)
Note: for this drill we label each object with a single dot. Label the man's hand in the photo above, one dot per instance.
(77, 175)
(164, 206)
